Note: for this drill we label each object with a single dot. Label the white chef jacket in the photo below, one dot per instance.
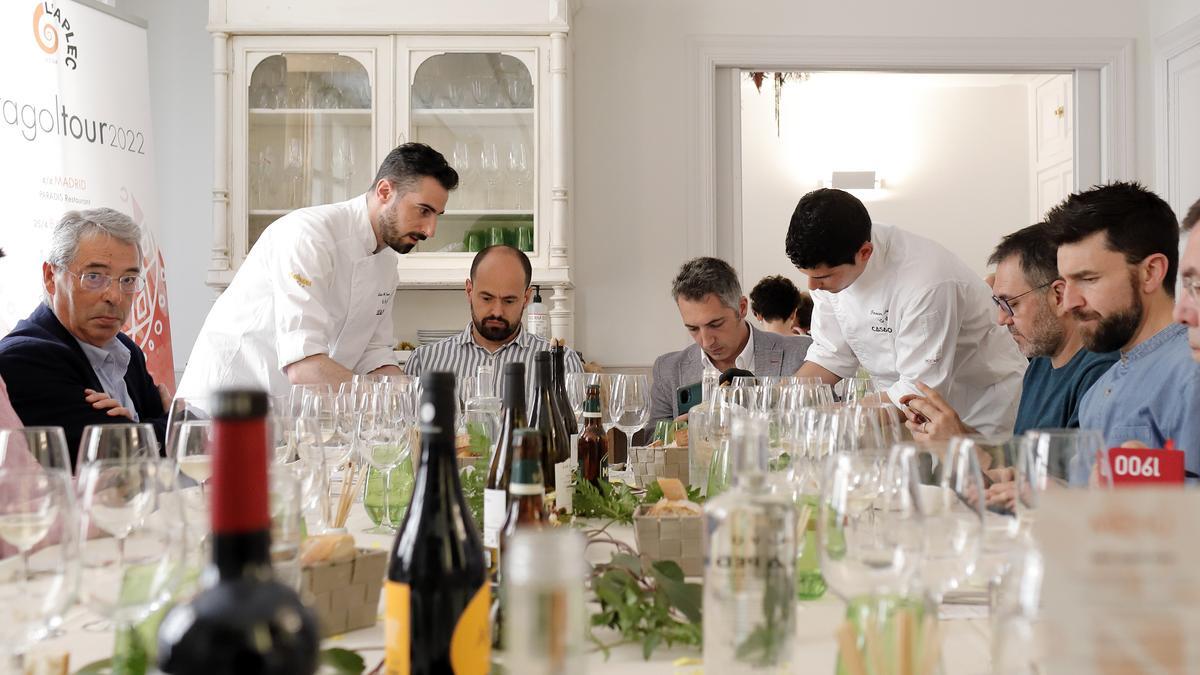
(919, 314)
(312, 284)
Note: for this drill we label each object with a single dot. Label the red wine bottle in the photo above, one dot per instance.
(243, 621)
(438, 595)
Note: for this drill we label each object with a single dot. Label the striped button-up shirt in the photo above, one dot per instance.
(461, 355)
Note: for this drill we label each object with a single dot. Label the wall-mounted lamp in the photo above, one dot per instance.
(855, 180)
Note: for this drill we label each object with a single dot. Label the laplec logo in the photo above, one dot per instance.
(48, 22)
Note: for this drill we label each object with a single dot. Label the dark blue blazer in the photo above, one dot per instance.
(46, 372)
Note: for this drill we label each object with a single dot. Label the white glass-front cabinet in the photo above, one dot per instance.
(305, 119)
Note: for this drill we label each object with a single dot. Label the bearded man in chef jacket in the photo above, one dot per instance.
(312, 303)
(904, 308)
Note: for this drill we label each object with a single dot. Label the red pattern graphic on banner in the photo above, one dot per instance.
(149, 322)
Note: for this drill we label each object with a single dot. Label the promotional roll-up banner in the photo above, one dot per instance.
(75, 134)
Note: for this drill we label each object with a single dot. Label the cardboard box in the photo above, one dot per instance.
(676, 538)
(345, 595)
(650, 464)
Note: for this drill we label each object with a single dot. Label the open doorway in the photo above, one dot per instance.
(961, 158)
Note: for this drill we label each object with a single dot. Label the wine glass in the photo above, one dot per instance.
(489, 166)
(382, 440)
(937, 499)
(294, 166)
(1076, 457)
(859, 555)
(30, 447)
(306, 461)
(860, 390)
(193, 451)
(36, 511)
(630, 403)
(132, 569)
(520, 169)
(286, 508)
(118, 442)
(183, 410)
(460, 159)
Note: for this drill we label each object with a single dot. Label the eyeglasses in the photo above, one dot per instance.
(1192, 286)
(1006, 304)
(95, 281)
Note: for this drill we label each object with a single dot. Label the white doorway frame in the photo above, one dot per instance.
(1168, 46)
(1103, 68)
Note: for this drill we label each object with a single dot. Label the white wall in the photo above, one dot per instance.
(181, 105)
(631, 137)
(631, 98)
(952, 152)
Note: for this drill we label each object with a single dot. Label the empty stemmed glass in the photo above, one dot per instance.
(489, 165)
(463, 163)
(859, 555)
(117, 442)
(36, 512)
(936, 500)
(520, 169)
(630, 403)
(134, 566)
(34, 446)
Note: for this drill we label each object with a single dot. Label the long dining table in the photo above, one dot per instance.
(965, 630)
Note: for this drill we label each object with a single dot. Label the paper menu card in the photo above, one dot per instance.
(1121, 592)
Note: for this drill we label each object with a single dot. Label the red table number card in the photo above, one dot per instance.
(1147, 466)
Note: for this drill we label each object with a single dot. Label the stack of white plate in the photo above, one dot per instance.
(428, 337)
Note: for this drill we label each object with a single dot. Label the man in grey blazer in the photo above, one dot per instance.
(713, 309)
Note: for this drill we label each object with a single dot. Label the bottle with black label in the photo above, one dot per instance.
(437, 592)
(244, 621)
(495, 493)
(545, 417)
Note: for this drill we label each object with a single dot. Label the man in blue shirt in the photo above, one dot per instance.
(1118, 251)
(1187, 307)
(1028, 294)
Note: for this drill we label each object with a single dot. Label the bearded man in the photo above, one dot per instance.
(312, 301)
(497, 291)
(1118, 253)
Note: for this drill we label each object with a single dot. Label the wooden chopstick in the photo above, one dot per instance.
(848, 645)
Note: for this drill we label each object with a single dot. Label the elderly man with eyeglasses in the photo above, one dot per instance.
(68, 364)
(1028, 294)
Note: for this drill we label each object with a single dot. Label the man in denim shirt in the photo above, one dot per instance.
(1118, 250)
(1187, 307)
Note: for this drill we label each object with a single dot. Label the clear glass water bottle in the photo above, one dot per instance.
(749, 564)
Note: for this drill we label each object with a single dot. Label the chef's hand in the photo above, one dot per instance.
(102, 401)
(930, 418)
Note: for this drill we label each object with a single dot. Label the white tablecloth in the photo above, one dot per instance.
(965, 648)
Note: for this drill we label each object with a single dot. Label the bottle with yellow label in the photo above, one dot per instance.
(437, 595)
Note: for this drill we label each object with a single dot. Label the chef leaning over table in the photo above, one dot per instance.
(312, 302)
(905, 309)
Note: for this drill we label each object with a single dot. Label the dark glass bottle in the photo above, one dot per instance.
(558, 354)
(526, 490)
(544, 416)
(593, 442)
(437, 593)
(243, 621)
(495, 493)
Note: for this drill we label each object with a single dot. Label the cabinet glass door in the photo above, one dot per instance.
(309, 134)
(478, 109)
